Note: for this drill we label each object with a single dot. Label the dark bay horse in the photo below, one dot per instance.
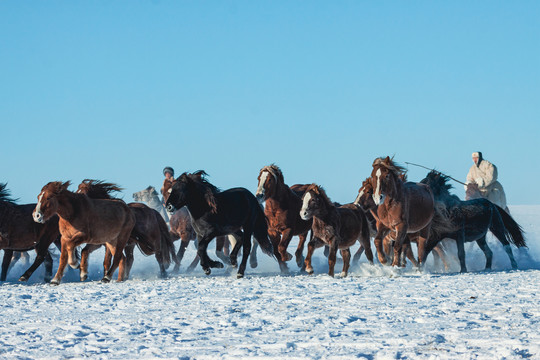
(19, 232)
(215, 213)
(338, 227)
(150, 232)
(403, 208)
(472, 191)
(282, 209)
(473, 219)
(85, 220)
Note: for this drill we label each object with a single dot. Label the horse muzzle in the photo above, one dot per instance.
(170, 208)
(379, 199)
(305, 215)
(260, 197)
(38, 217)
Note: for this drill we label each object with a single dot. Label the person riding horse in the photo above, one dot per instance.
(168, 172)
(484, 174)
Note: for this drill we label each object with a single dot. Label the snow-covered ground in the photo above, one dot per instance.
(375, 313)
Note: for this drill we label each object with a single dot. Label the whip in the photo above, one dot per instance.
(462, 183)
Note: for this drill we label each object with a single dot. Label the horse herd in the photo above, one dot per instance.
(388, 208)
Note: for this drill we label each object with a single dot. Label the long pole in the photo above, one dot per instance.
(462, 183)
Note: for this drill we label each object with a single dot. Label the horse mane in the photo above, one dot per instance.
(98, 189)
(319, 190)
(275, 171)
(389, 164)
(56, 187)
(5, 194)
(438, 182)
(209, 190)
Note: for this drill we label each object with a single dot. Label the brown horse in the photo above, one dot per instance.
(282, 209)
(150, 232)
(181, 228)
(403, 207)
(85, 220)
(337, 227)
(366, 202)
(19, 232)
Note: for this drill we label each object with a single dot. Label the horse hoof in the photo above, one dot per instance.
(253, 264)
(343, 274)
(309, 271)
(55, 282)
(218, 265)
(300, 261)
(84, 277)
(239, 276)
(105, 280)
(207, 271)
(24, 278)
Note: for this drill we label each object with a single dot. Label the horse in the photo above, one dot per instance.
(472, 191)
(150, 197)
(215, 213)
(150, 232)
(18, 232)
(403, 207)
(474, 218)
(180, 228)
(85, 220)
(338, 227)
(282, 210)
(379, 231)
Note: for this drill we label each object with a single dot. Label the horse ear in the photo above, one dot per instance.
(65, 185)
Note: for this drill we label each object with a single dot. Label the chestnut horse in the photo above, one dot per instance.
(365, 201)
(337, 227)
(215, 213)
(404, 208)
(180, 224)
(282, 209)
(85, 220)
(18, 232)
(150, 232)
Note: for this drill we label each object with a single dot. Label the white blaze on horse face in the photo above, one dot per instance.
(262, 181)
(305, 204)
(38, 217)
(360, 194)
(377, 195)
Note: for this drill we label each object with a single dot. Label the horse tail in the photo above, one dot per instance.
(512, 230)
(260, 231)
(441, 222)
(166, 242)
(366, 232)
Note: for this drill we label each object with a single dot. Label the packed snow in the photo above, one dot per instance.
(375, 313)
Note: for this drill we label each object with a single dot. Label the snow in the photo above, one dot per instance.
(375, 313)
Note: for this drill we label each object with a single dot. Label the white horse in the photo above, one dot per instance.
(150, 197)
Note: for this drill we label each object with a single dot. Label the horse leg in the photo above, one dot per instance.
(332, 254)
(180, 254)
(236, 248)
(313, 244)
(501, 236)
(461, 254)
(275, 238)
(253, 262)
(401, 234)
(61, 264)
(245, 252)
(220, 244)
(119, 258)
(441, 255)
(206, 262)
(482, 243)
(407, 249)
(378, 241)
(128, 250)
(358, 254)
(8, 254)
(300, 250)
(85, 253)
(286, 237)
(346, 255)
(193, 264)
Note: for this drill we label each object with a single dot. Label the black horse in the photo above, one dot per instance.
(214, 213)
(19, 232)
(474, 218)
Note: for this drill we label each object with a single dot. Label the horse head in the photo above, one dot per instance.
(269, 178)
(145, 195)
(385, 177)
(189, 186)
(47, 204)
(365, 196)
(315, 202)
(97, 189)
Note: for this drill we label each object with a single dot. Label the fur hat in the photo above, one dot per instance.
(477, 154)
(169, 170)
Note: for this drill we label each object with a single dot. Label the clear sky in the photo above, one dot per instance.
(116, 90)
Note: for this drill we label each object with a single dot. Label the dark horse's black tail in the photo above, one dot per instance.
(512, 230)
(166, 243)
(260, 232)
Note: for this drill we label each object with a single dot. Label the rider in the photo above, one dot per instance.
(484, 174)
(168, 172)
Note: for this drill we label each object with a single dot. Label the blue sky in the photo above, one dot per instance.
(116, 90)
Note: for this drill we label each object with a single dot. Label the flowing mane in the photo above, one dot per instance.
(319, 190)
(275, 171)
(438, 183)
(389, 164)
(56, 187)
(5, 194)
(98, 189)
(209, 190)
